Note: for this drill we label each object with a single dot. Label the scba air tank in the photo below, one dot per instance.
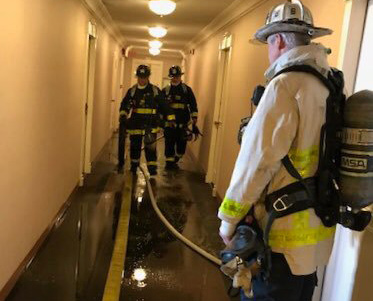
(356, 182)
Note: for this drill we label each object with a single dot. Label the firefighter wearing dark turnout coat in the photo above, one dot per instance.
(181, 99)
(145, 102)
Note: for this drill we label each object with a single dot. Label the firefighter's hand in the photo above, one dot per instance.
(226, 238)
(226, 231)
(194, 120)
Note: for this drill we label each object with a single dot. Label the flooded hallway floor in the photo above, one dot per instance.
(171, 270)
(73, 262)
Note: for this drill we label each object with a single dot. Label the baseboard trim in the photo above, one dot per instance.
(5, 291)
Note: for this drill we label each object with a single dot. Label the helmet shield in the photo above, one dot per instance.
(175, 71)
(143, 71)
(291, 16)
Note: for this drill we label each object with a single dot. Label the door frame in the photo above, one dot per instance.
(120, 88)
(115, 87)
(87, 103)
(222, 91)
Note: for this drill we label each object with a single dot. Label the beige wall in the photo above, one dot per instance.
(247, 67)
(106, 49)
(42, 59)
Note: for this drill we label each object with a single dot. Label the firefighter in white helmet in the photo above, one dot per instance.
(287, 123)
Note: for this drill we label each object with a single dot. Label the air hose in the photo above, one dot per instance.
(172, 229)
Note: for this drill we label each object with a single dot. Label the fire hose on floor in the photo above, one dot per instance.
(172, 229)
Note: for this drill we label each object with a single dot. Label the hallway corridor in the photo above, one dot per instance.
(73, 263)
(76, 73)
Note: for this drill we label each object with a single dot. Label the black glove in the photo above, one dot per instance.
(196, 132)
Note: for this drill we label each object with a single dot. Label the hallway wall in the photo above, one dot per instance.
(247, 67)
(42, 75)
(102, 106)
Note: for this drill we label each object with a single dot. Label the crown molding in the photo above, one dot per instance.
(231, 14)
(99, 11)
(176, 52)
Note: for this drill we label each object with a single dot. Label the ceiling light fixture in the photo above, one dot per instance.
(154, 51)
(162, 7)
(157, 31)
(155, 44)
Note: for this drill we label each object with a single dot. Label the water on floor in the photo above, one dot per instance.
(73, 262)
(159, 267)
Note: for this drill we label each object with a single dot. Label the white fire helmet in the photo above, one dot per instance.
(291, 16)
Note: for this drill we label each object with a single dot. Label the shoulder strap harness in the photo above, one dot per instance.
(184, 86)
(302, 194)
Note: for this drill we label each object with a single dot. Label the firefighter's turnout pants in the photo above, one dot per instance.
(176, 142)
(150, 151)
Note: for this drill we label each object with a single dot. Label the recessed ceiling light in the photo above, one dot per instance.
(154, 51)
(162, 7)
(155, 44)
(157, 31)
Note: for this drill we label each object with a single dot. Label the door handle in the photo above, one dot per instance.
(218, 123)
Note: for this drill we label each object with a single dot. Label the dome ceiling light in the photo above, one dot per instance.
(154, 51)
(155, 44)
(162, 7)
(157, 31)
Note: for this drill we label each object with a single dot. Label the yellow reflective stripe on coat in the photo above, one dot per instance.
(232, 208)
(300, 234)
(123, 113)
(142, 132)
(178, 105)
(169, 124)
(171, 117)
(194, 114)
(145, 111)
(305, 160)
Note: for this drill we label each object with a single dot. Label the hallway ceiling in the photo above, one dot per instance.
(133, 18)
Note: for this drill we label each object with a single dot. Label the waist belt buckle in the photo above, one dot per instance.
(281, 205)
